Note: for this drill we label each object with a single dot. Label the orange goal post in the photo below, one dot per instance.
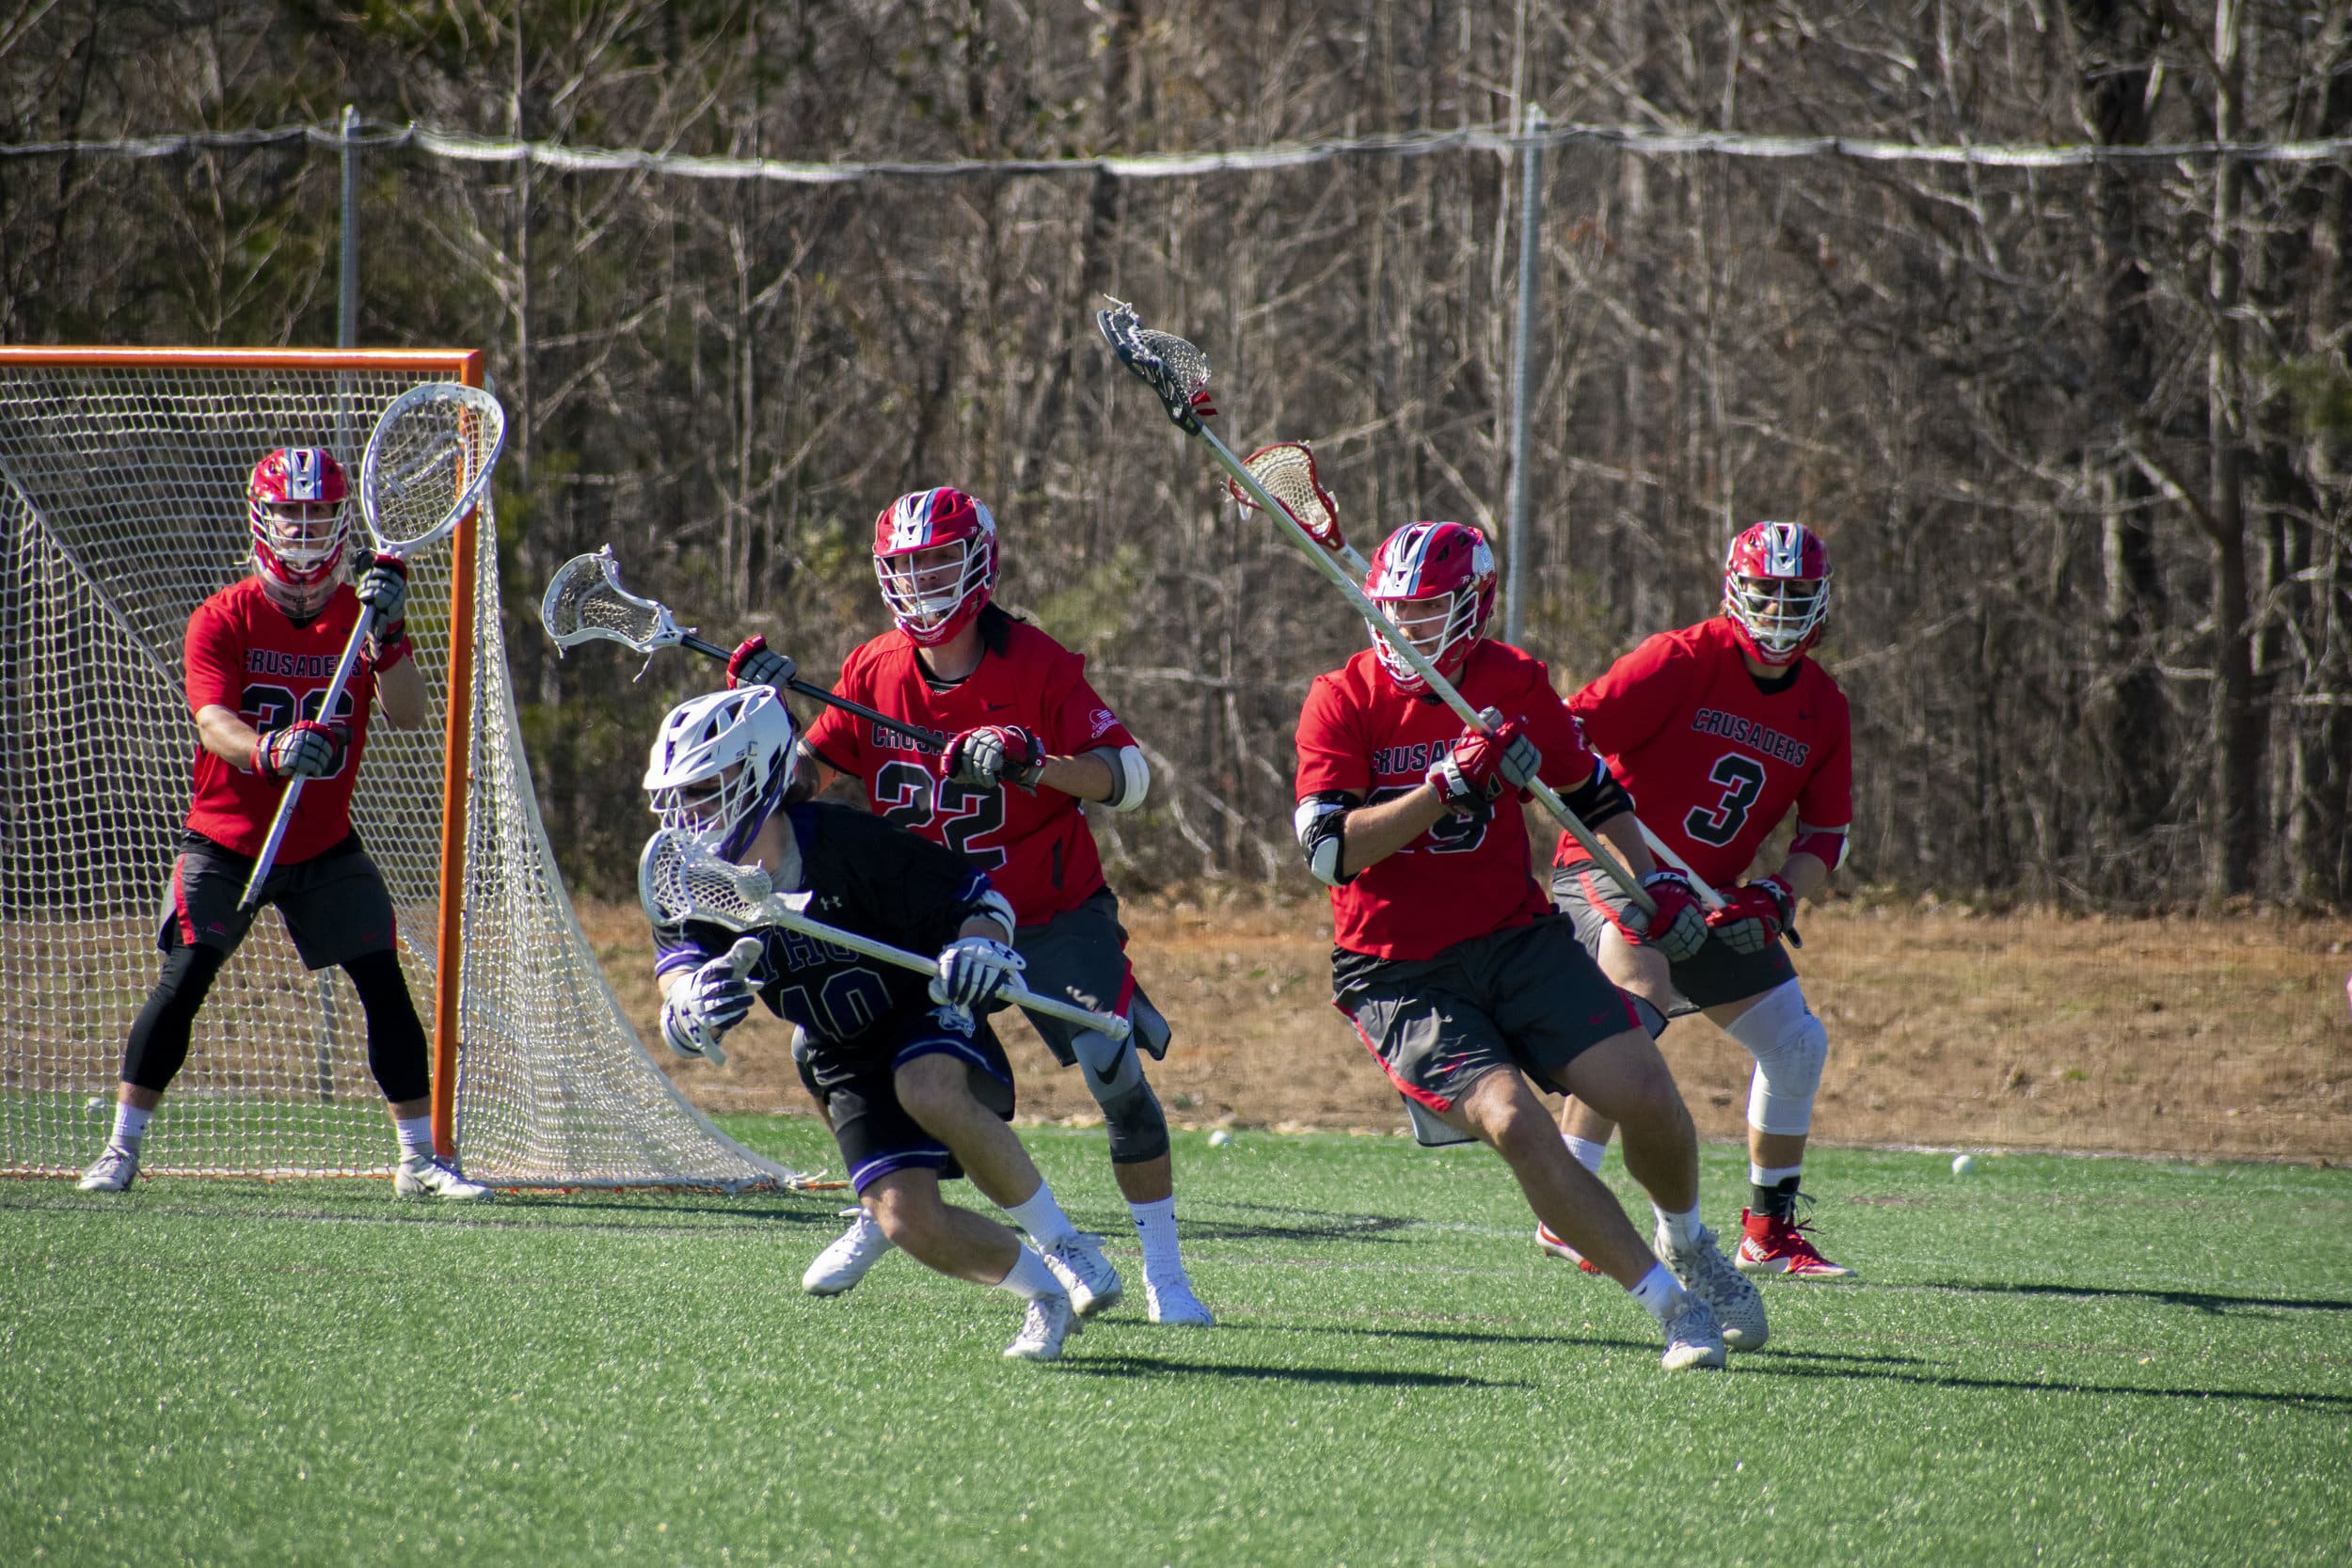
(123, 475)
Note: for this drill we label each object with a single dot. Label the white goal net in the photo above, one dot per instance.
(121, 497)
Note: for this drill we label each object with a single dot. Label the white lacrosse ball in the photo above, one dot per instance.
(1219, 1138)
(95, 1105)
(1963, 1163)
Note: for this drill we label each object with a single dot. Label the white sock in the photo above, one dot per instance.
(1029, 1278)
(1156, 1226)
(1041, 1217)
(1657, 1290)
(1771, 1175)
(130, 1126)
(1681, 1231)
(416, 1136)
(1587, 1152)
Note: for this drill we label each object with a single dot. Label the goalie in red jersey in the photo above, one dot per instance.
(1030, 746)
(259, 657)
(1720, 729)
(1459, 979)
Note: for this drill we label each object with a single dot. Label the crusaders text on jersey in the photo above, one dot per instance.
(1035, 845)
(245, 654)
(1467, 875)
(1712, 760)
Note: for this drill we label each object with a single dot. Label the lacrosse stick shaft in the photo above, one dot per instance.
(1020, 996)
(251, 900)
(810, 689)
(1421, 667)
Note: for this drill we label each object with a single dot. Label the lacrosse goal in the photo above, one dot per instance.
(122, 476)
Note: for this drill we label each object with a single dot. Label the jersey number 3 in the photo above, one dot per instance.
(1742, 778)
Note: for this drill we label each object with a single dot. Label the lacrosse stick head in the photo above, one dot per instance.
(1286, 472)
(680, 879)
(428, 462)
(586, 603)
(1177, 372)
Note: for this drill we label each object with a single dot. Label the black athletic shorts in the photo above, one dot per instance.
(334, 904)
(1713, 974)
(1526, 997)
(1081, 956)
(859, 1089)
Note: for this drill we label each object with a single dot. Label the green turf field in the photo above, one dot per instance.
(2053, 1360)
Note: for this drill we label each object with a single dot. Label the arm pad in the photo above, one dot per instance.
(1598, 798)
(1826, 845)
(1131, 776)
(1320, 822)
(992, 905)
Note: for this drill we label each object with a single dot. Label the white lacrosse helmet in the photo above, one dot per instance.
(720, 761)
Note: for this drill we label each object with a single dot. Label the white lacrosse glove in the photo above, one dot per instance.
(973, 970)
(993, 754)
(705, 1005)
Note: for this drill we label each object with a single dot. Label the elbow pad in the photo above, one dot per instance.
(1320, 822)
(1131, 776)
(1826, 845)
(992, 905)
(1598, 798)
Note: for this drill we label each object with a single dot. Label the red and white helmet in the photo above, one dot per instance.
(934, 603)
(1777, 590)
(297, 503)
(1451, 562)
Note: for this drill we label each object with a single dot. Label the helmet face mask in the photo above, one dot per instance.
(297, 505)
(935, 557)
(1436, 582)
(1776, 591)
(721, 764)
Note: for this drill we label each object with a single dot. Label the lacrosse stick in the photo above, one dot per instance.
(679, 879)
(427, 465)
(1178, 373)
(1286, 472)
(586, 603)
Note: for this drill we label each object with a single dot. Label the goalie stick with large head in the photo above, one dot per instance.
(1178, 373)
(586, 603)
(680, 879)
(428, 464)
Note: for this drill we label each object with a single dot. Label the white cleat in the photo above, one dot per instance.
(1172, 1302)
(1707, 1273)
(1049, 1321)
(840, 1266)
(1078, 1263)
(111, 1172)
(429, 1176)
(1692, 1337)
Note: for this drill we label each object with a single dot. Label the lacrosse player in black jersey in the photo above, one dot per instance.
(913, 1081)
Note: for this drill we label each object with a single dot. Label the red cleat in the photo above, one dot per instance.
(1781, 1246)
(1559, 1249)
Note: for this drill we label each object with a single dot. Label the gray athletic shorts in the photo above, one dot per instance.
(334, 904)
(1713, 974)
(1081, 955)
(1526, 997)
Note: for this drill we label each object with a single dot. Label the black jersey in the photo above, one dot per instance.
(867, 877)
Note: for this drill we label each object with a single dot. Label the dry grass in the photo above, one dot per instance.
(2225, 1036)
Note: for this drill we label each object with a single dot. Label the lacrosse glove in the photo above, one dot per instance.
(754, 663)
(1678, 929)
(303, 750)
(383, 586)
(993, 754)
(1755, 913)
(1484, 763)
(702, 1007)
(973, 971)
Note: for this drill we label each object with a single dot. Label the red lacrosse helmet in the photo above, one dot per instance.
(934, 597)
(297, 505)
(1777, 590)
(1449, 563)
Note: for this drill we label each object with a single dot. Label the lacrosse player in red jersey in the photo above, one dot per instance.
(259, 657)
(1029, 744)
(1719, 729)
(1458, 976)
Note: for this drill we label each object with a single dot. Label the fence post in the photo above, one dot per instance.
(1522, 351)
(348, 307)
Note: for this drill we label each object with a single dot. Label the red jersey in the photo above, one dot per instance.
(1712, 761)
(248, 656)
(1036, 847)
(1467, 875)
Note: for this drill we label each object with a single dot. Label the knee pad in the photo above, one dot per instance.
(396, 1050)
(1114, 1075)
(159, 1036)
(1789, 1046)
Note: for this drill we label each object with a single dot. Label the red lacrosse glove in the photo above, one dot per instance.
(303, 750)
(1678, 929)
(1484, 763)
(993, 754)
(754, 663)
(1754, 913)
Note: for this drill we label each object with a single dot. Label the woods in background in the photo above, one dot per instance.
(2076, 436)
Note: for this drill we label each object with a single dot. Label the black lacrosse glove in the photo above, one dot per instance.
(383, 585)
(303, 750)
